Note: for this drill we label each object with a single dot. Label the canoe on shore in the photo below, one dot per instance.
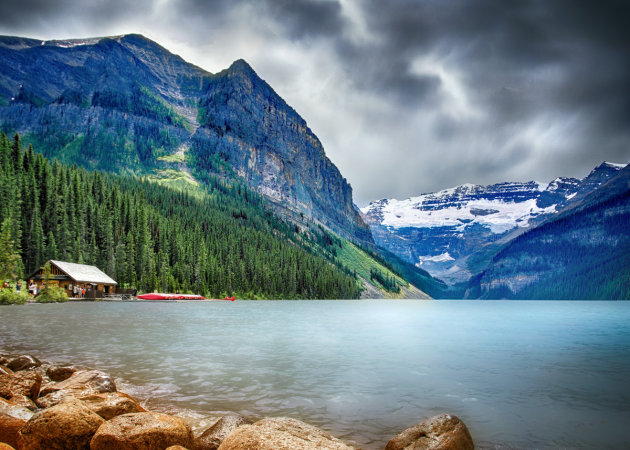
(156, 296)
(159, 296)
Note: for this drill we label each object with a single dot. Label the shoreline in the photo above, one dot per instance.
(56, 394)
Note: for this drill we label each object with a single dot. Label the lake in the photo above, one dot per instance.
(519, 374)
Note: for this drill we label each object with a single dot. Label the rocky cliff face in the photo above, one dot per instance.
(453, 233)
(121, 103)
(247, 127)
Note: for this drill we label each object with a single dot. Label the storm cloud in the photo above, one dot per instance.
(406, 96)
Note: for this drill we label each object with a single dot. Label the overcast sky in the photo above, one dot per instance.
(407, 96)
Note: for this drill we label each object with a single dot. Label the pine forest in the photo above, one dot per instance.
(149, 237)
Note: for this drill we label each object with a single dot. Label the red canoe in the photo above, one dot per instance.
(170, 297)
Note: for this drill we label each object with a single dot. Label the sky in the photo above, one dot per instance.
(407, 96)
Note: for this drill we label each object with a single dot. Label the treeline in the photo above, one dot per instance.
(585, 255)
(152, 238)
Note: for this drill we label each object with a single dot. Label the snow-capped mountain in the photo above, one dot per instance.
(452, 233)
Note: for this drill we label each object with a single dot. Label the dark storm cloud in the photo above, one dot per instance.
(29, 14)
(524, 65)
(423, 94)
(307, 18)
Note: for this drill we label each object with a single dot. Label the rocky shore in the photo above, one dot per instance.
(44, 406)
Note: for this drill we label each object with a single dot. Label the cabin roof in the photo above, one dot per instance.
(83, 273)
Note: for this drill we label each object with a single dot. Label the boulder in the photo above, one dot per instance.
(9, 429)
(142, 431)
(443, 432)
(111, 404)
(283, 432)
(82, 383)
(23, 401)
(26, 383)
(4, 446)
(172, 447)
(23, 362)
(68, 425)
(213, 436)
(60, 373)
(18, 412)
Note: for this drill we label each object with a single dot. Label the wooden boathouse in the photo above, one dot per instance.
(68, 275)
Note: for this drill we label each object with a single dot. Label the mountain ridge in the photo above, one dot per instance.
(453, 232)
(77, 98)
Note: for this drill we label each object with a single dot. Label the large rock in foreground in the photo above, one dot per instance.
(211, 438)
(443, 432)
(111, 404)
(25, 383)
(68, 425)
(281, 433)
(9, 429)
(142, 431)
(12, 419)
(82, 383)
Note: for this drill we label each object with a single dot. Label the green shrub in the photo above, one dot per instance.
(9, 296)
(52, 294)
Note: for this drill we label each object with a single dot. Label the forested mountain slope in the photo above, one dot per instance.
(582, 253)
(216, 239)
(124, 104)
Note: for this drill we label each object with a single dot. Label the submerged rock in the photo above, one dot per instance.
(282, 432)
(60, 373)
(443, 432)
(23, 362)
(81, 383)
(111, 404)
(68, 425)
(142, 431)
(211, 438)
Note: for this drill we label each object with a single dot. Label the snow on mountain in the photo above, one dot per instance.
(499, 207)
(452, 233)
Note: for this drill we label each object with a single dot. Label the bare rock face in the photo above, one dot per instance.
(142, 431)
(68, 425)
(443, 432)
(25, 383)
(111, 404)
(23, 362)
(82, 383)
(60, 373)
(280, 433)
(211, 438)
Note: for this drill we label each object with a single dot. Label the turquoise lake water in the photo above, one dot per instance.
(519, 374)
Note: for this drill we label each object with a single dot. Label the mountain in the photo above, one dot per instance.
(583, 252)
(454, 233)
(127, 105)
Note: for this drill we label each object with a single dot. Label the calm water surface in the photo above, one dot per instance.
(520, 374)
